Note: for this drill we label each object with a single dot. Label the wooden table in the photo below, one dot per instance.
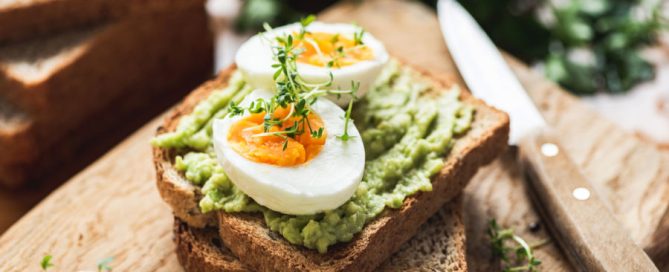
(113, 209)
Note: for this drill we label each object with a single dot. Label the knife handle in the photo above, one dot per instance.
(585, 229)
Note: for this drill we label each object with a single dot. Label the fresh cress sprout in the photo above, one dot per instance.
(357, 36)
(103, 265)
(347, 117)
(524, 254)
(293, 92)
(304, 22)
(46, 262)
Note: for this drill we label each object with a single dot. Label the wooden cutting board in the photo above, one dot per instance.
(113, 209)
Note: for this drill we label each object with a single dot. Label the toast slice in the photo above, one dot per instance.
(438, 246)
(249, 239)
(79, 92)
(26, 19)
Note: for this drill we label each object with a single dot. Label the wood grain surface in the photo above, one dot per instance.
(588, 234)
(113, 209)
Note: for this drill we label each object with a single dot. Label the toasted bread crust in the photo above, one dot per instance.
(176, 191)
(249, 239)
(201, 249)
(440, 245)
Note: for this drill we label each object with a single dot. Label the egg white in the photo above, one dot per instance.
(255, 58)
(325, 182)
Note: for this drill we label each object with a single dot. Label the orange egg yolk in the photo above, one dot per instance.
(248, 138)
(327, 49)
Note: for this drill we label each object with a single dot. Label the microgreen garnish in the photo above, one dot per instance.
(336, 56)
(357, 36)
(46, 262)
(318, 133)
(234, 110)
(103, 265)
(347, 115)
(292, 91)
(334, 39)
(524, 255)
(304, 22)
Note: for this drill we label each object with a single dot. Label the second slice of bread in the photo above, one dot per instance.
(438, 246)
(247, 236)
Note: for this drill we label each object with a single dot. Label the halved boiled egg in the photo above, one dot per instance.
(306, 174)
(341, 49)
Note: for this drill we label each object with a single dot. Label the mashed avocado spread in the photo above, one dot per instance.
(406, 126)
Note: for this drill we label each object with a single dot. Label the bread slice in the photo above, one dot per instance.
(439, 245)
(181, 195)
(249, 239)
(24, 19)
(70, 93)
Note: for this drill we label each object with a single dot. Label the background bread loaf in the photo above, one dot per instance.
(70, 96)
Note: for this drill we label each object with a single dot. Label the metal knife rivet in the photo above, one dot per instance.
(581, 193)
(549, 149)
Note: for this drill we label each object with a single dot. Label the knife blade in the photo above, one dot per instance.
(476, 55)
(584, 228)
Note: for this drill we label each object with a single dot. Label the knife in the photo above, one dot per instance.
(583, 226)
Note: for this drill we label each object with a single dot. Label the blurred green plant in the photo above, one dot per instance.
(254, 13)
(587, 46)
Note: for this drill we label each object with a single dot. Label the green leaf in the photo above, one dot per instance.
(358, 35)
(254, 13)
(500, 240)
(335, 38)
(277, 74)
(555, 68)
(594, 7)
(289, 41)
(307, 20)
(46, 262)
(535, 262)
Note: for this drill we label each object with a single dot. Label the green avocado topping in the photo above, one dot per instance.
(407, 129)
